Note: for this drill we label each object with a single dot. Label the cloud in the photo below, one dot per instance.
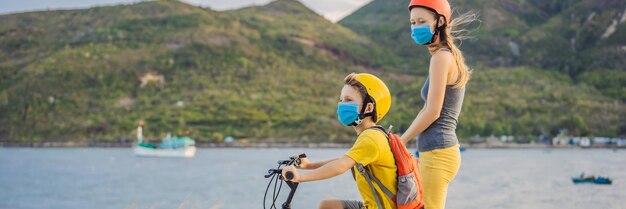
(335, 10)
(332, 10)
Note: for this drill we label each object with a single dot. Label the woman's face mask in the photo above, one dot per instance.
(424, 25)
(421, 34)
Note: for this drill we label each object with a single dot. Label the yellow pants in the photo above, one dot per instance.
(438, 168)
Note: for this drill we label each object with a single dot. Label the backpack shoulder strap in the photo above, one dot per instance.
(369, 178)
(380, 128)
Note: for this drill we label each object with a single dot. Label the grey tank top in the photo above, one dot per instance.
(441, 133)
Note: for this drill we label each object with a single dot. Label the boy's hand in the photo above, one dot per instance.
(292, 169)
(304, 163)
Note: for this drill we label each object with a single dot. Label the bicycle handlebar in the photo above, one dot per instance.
(293, 160)
(289, 176)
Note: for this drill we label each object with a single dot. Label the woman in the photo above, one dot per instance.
(443, 92)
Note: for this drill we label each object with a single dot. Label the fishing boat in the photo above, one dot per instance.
(171, 146)
(591, 179)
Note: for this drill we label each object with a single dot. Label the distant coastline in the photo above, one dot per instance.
(286, 145)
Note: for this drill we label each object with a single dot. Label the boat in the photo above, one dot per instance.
(603, 180)
(171, 146)
(591, 179)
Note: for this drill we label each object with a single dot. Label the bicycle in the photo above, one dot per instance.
(276, 175)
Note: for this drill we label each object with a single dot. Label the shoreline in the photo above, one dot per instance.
(283, 145)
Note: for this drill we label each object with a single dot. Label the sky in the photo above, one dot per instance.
(332, 10)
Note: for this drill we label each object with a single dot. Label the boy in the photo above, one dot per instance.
(364, 100)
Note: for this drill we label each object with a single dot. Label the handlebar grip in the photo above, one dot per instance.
(303, 155)
(289, 176)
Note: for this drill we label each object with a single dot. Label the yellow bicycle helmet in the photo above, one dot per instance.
(378, 92)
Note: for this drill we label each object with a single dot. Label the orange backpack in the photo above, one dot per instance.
(409, 191)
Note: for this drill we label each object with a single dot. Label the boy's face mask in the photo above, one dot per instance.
(348, 114)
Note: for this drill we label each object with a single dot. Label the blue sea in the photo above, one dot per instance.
(78, 178)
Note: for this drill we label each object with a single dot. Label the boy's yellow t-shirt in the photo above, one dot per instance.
(372, 150)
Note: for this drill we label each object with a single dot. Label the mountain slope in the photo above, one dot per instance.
(263, 73)
(568, 36)
(217, 73)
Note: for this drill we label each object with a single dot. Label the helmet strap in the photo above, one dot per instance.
(437, 29)
(362, 115)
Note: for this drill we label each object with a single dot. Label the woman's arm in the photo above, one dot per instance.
(438, 72)
(328, 170)
(418, 115)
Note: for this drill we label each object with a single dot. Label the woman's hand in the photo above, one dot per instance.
(292, 169)
(304, 163)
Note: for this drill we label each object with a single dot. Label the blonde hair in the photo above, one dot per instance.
(452, 33)
(351, 81)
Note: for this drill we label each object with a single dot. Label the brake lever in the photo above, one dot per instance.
(296, 159)
(283, 162)
(271, 172)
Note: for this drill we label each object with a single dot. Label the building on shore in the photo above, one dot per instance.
(565, 141)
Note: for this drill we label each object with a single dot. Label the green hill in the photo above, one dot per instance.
(76, 74)
(583, 40)
(568, 36)
(266, 73)
(579, 38)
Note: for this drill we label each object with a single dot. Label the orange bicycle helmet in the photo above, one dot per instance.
(441, 7)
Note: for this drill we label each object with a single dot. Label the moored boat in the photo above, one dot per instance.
(152, 151)
(591, 179)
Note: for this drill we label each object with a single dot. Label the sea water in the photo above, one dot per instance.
(77, 178)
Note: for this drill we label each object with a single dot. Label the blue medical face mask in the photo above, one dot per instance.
(421, 34)
(348, 113)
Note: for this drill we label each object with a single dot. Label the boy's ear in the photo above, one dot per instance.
(370, 107)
